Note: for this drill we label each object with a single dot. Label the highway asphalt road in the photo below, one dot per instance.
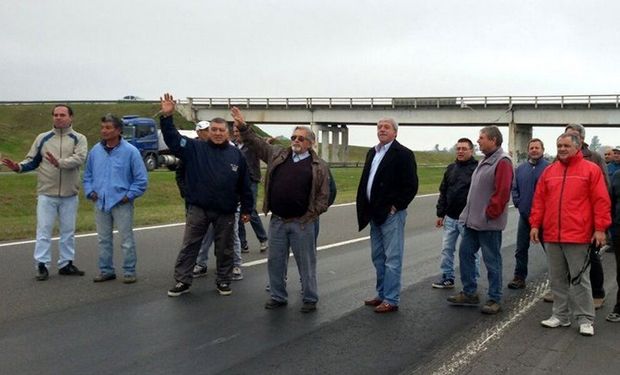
(71, 325)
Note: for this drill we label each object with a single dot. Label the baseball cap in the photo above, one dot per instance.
(616, 149)
(202, 125)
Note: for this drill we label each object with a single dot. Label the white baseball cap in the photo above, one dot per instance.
(202, 125)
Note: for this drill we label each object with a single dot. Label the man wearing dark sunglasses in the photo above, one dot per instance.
(296, 193)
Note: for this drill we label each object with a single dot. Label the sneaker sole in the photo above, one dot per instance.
(176, 294)
(237, 278)
(561, 325)
(437, 286)
(224, 292)
(197, 275)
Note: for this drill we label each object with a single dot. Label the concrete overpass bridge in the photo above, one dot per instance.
(330, 117)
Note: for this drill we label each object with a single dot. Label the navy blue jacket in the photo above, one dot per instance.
(524, 185)
(216, 176)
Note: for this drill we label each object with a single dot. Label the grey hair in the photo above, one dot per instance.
(391, 121)
(493, 132)
(578, 127)
(309, 133)
(573, 138)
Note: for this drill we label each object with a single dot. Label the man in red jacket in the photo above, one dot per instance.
(572, 205)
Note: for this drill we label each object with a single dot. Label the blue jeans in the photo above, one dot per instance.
(301, 239)
(523, 246)
(122, 216)
(387, 243)
(257, 224)
(207, 241)
(48, 209)
(452, 229)
(490, 242)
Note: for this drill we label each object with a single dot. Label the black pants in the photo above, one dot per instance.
(596, 275)
(197, 222)
(616, 246)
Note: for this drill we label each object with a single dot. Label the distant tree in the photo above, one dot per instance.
(595, 143)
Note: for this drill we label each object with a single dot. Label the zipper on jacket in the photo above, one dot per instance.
(560, 205)
(60, 170)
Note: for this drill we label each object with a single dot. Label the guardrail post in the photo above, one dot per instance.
(617, 97)
(286, 102)
(267, 102)
(562, 101)
(330, 103)
(536, 102)
(351, 103)
(372, 103)
(485, 102)
(247, 103)
(589, 102)
(228, 102)
(210, 102)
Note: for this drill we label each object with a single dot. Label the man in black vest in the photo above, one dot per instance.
(296, 193)
(388, 184)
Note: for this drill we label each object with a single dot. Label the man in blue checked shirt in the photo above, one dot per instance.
(114, 177)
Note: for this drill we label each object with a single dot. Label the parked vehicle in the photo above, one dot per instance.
(143, 133)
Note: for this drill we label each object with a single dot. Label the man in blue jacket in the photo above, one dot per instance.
(216, 179)
(115, 175)
(523, 187)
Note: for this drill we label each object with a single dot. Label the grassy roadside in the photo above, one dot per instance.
(161, 203)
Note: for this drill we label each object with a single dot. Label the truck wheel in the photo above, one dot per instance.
(150, 162)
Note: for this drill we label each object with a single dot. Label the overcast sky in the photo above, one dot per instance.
(70, 49)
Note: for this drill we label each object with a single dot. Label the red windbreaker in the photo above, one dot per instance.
(571, 201)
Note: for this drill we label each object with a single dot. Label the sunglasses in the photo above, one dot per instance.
(301, 138)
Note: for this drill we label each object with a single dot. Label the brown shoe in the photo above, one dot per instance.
(385, 308)
(598, 303)
(373, 302)
(548, 297)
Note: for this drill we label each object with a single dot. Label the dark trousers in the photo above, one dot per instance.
(257, 224)
(616, 245)
(596, 275)
(523, 247)
(197, 222)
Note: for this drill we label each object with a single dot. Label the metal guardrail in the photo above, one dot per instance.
(560, 101)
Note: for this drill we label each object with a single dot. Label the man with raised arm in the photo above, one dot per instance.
(216, 179)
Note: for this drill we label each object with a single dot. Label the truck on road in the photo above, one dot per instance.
(144, 134)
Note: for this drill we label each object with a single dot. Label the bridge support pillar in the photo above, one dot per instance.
(344, 143)
(333, 157)
(316, 128)
(519, 136)
(324, 142)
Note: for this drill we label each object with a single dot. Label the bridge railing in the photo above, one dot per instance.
(560, 101)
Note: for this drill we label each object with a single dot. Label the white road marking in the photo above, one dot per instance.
(479, 344)
(25, 242)
(324, 247)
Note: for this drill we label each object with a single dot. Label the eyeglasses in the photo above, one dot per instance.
(301, 138)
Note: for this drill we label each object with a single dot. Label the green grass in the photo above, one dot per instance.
(161, 203)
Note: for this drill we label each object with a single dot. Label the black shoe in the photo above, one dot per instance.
(42, 273)
(245, 248)
(308, 307)
(104, 277)
(224, 289)
(70, 270)
(273, 304)
(178, 289)
(516, 283)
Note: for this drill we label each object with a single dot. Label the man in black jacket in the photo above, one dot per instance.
(388, 184)
(216, 178)
(452, 198)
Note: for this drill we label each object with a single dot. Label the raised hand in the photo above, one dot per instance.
(167, 104)
(237, 116)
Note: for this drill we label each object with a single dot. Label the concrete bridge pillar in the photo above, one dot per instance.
(335, 144)
(519, 136)
(316, 128)
(324, 142)
(344, 143)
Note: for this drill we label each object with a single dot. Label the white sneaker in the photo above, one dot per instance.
(554, 322)
(586, 329)
(264, 245)
(237, 274)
